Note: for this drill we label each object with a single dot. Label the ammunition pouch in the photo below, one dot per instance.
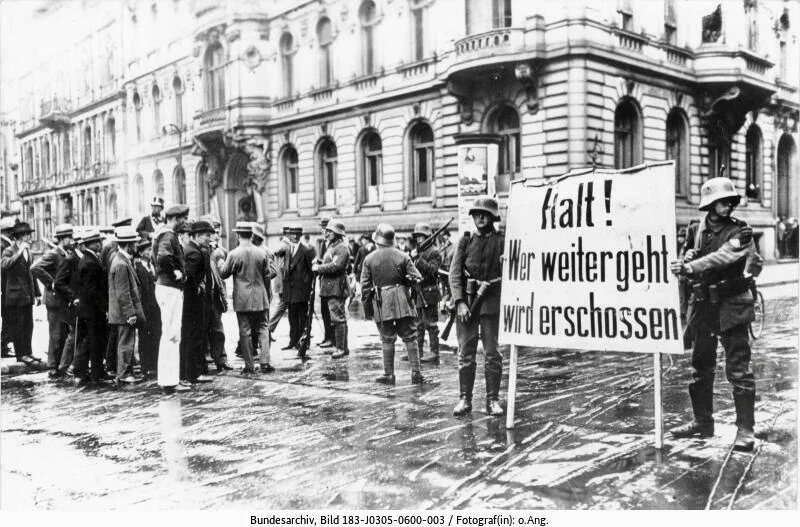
(716, 292)
(471, 289)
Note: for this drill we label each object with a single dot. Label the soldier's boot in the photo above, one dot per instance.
(493, 407)
(433, 335)
(466, 380)
(702, 405)
(420, 339)
(388, 364)
(745, 421)
(413, 359)
(341, 341)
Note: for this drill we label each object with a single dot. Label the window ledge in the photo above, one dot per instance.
(421, 201)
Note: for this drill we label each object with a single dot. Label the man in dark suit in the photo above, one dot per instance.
(150, 332)
(92, 309)
(149, 224)
(7, 230)
(66, 286)
(196, 304)
(44, 269)
(22, 291)
(125, 310)
(218, 297)
(297, 282)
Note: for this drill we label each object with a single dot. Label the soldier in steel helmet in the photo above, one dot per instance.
(428, 263)
(385, 278)
(476, 263)
(720, 308)
(333, 286)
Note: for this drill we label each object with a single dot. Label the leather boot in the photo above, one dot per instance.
(701, 394)
(433, 334)
(745, 421)
(466, 379)
(493, 407)
(341, 339)
(388, 364)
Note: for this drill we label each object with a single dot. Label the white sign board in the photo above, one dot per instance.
(587, 262)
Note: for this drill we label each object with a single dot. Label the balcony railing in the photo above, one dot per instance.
(284, 105)
(630, 41)
(322, 95)
(55, 112)
(211, 117)
(503, 40)
(415, 69)
(366, 82)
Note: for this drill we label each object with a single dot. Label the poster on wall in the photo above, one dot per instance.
(477, 169)
(587, 262)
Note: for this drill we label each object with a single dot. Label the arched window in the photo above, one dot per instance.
(156, 111)
(138, 185)
(754, 163)
(627, 135)
(678, 149)
(158, 182)
(179, 185)
(287, 67)
(421, 164)
(177, 87)
(325, 38)
(371, 167)
(215, 76)
(87, 147)
(46, 157)
(137, 107)
(368, 15)
(327, 165)
(787, 182)
(111, 137)
(290, 178)
(505, 122)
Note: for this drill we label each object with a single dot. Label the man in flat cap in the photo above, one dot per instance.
(22, 291)
(125, 310)
(169, 263)
(44, 269)
(196, 304)
(148, 224)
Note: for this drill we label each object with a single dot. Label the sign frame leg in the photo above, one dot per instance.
(512, 387)
(658, 403)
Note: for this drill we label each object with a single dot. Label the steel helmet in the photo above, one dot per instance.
(715, 189)
(486, 204)
(422, 228)
(335, 226)
(383, 235)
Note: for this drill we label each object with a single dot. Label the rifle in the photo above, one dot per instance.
(305, 339)
(421, 247)
(476, 303)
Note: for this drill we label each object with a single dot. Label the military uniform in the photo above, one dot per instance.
(385, 278)
(334, 288)
(477, 259)
(720, 309)
(428, 263)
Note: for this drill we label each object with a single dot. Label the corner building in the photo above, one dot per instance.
(284, 111)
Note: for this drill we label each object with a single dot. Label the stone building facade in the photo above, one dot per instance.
(288, 110)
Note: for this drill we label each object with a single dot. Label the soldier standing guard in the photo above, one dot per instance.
(333, 286)
(385, 279)
(22, 291)
(476, 263)
(720, 308)
(44, 270)
(329, 337)
(427, 262)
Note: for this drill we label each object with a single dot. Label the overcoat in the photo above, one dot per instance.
(92, 287)
(21, 288)
(428, 263)
(44, 269)
(478, 257)
(297, 281)
(124, 299)
(333, 271)
(251, 270)
(384, 272)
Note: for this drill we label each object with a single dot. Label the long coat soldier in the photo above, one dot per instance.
(721, 306)
(476, 263)
(385, 279)
(428, 263)
(44, 270)
(333, 285)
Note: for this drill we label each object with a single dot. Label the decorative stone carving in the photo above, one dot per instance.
(525, 74)
(215, 164)
(252, 57)
(464, 96)
(712, 25)
(259, 165)
(630, 85)
(786, 119)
